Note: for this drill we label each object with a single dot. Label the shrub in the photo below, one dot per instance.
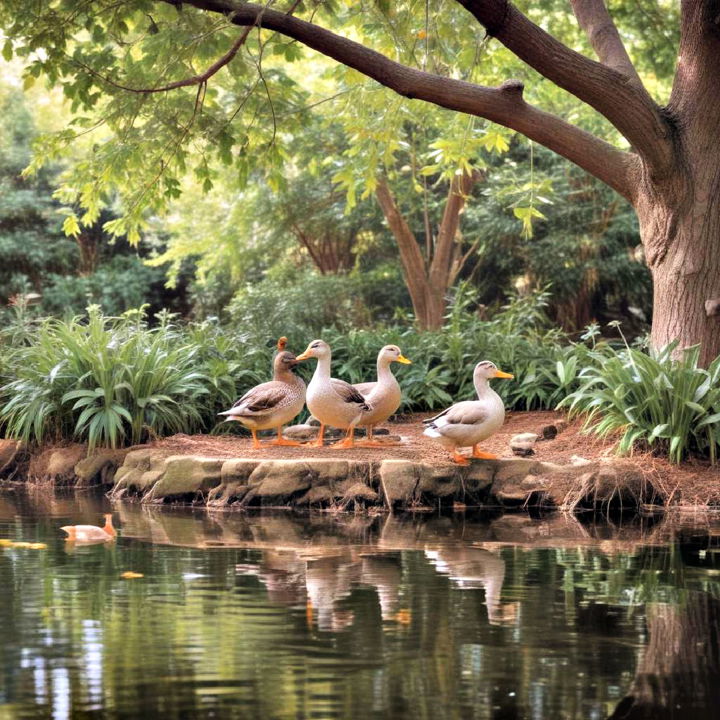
(670, 405)
(110, 381)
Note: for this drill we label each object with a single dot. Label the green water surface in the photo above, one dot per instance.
(341, 616)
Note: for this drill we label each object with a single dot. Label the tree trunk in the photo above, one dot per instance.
(686, 280)
(428, 279)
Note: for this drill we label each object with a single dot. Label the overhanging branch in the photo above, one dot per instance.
(611, 92)
(504, 105)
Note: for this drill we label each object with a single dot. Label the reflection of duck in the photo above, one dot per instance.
(384, 574)
(329, 580)
(469, 567)
(91, 533)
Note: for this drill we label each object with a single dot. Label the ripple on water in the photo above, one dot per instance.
(355, 617)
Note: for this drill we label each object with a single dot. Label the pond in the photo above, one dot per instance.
(235, 615)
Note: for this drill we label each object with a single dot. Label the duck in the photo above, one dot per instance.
(272, 404)
(91, 533)
(383, 395)
(333, 402)
(467, 423)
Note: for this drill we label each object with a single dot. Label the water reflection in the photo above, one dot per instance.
(279, 616)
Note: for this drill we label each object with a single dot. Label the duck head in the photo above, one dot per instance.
(316, 349)
(390, 354)
(485, 370)
(284, 361)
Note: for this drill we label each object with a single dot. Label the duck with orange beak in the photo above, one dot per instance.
(383, 395)
(469, 422)
(333, 402)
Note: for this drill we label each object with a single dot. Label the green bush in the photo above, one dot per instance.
(669, 405)
(111, 381)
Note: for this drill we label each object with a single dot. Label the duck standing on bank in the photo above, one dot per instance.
(91, 533)
(333, 402)
(469, 422)
(272, 404)
(383, 395)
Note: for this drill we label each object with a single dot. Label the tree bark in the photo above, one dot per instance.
(679, 675)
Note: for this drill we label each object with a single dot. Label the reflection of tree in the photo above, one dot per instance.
(679, 675)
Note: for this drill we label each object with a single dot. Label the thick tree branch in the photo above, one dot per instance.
(594, 18)
(629, 108)
(503, 105)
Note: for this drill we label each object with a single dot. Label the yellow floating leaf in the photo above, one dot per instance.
(38, 546)
(130, 575)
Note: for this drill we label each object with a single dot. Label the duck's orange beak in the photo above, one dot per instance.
(402, 359)
(304, 356)
(501, 374)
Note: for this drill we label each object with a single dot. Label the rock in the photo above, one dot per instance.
(237, 470)
(523, 444)
(312, 420)
(185, 475)
(578, 461)
(301, 432)
(280, 478)
(317, 496)
(140, 470)
(551, 431)
(398, 480)
(57, 465)
(381, 431)
(98, 468)
(360, 491)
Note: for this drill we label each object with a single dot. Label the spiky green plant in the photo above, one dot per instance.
(110, 381)
(666, 403)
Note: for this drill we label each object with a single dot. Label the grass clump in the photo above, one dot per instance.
(659, 400)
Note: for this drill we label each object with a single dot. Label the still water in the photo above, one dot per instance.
(283, 616)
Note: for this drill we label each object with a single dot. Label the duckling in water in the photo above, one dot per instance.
(91, 533)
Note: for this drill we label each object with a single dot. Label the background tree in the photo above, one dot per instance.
(668, 174)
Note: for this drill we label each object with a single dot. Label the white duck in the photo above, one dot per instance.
(469, 422)
(383, 395)
(91, 533)
(333, 402)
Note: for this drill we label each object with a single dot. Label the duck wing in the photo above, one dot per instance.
(468, 412)
(365, 388)
(348, 393)
(259, 399)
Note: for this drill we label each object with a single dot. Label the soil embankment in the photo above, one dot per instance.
(564, 469)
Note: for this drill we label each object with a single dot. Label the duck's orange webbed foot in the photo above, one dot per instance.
(320, 441)
(459, 459)
(476, 453)
(348, 441)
